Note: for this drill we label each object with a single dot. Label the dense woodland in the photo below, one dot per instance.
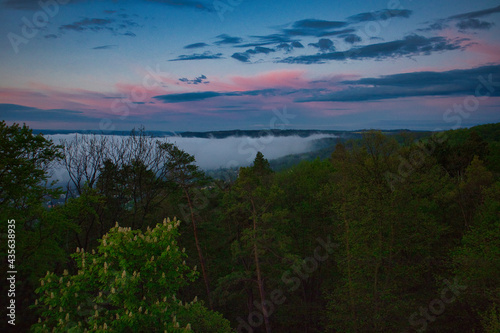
(388, 234)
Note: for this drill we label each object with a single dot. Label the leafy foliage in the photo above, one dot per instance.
(25, 192)
(26, 159)
(129, 284)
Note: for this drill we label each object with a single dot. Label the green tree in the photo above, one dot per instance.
(134, 193)
(456, 153)
(386, 232)
(85, 213)
(130, 284)
(181, 170)
(469, 192)
(25, 195)
(307, 197)
(258, 248)
(24, 169)
(477, 261)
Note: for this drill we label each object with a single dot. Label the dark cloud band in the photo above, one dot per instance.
(454, 82)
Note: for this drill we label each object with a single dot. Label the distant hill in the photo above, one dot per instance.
(488, 132)
(224, 134)
(324, 147)
(257, 133)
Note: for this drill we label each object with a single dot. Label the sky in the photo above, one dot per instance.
(202, 65)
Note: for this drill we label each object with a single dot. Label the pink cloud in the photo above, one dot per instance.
(482, 51)
(490, 52)
(43, 96)
(137, 99)
(449, 102)
(273, 79)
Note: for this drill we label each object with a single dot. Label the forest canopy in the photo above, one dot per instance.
(390, 233)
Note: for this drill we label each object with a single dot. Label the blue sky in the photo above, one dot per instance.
(196, 65)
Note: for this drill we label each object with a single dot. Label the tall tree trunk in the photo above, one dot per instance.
(376, 298)
(260, 281)
(198, 248)
(349, 269)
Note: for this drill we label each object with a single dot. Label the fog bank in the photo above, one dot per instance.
(241, 151)
(212, 153)
(232, 151)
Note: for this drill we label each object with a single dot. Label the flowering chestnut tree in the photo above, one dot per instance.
(128, 284)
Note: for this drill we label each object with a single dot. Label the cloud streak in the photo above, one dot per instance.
(226, 39)
(245, 56)
(200, 5)
(195, 45)
(189, 4)
(380, 15)
(313, 27)
(92, 24)
(105, 47)
(411, 45)
(200, 79)
(324, 45)
(199, 96)
(474, 24)
(417, 84)
(207, 55)
(117, 23)
(476, 14)
(465, 21)
(20, 113)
